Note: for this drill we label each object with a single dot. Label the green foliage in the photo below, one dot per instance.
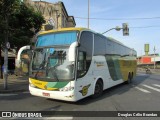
(9, 6)
(23, 22)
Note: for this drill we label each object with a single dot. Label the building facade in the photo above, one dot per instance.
(54, 13)
(148, 60)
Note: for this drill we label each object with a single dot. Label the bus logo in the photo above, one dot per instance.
(84, 90)
(45, 87)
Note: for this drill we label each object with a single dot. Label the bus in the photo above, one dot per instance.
(73, 63)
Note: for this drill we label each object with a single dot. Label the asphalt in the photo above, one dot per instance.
(14, 84)
(21, 83)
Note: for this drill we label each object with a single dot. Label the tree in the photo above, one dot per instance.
(17, 22)
(7, 7)
(23, 22)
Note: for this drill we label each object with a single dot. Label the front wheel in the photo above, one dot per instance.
(98, 89)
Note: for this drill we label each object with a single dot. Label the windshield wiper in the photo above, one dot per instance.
(53, 70)
(55, 74)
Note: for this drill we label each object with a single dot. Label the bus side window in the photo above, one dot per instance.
(81, 63)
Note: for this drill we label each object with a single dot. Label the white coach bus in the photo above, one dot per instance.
(73, 63)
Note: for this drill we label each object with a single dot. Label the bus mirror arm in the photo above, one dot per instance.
(78, 44)
(72, 51)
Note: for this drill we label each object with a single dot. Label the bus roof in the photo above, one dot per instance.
(62, 29)
(80, 29)
(114, 40)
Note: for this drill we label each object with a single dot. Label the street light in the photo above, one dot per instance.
(117, 28)
(125, 29)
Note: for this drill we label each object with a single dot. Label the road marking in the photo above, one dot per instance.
(158, 90)
(143, 90)
(156, 85)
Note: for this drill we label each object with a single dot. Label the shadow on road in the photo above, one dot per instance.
(118, 89)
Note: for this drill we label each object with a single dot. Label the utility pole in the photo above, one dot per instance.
(1, 62)
(154, 57)
(5, 71)
(88, 13)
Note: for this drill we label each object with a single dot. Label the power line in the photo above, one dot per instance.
(143, 18)
(152, 26)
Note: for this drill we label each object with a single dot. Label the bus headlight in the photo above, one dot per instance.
(66, 89)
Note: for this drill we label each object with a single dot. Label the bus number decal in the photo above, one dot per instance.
(84, 90)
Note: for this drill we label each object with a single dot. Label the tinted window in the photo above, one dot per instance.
(85, 53)
(109, 47)
(99, 45)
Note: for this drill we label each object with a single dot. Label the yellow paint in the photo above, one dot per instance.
(41, 84)
(84, 90)
(99, 65)
(37, 83)
(127, 66)
(52, 89)
(62, 30)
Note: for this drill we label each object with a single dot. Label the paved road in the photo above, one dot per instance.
(142, 95)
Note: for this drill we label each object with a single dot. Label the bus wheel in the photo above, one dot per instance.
(98, 89)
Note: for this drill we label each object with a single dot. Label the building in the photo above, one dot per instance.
(54, 13)
(149, 60)
(145, 60)
(11, 61)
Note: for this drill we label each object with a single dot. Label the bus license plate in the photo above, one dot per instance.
(46, 94)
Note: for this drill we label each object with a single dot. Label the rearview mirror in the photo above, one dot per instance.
(72, 51)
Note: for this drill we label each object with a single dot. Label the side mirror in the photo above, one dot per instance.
(72, 51)
(18, 59)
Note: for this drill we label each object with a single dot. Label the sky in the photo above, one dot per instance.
(142, 16)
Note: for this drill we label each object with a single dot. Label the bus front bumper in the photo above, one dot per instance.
(59, 95)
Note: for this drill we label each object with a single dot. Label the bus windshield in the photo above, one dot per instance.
(50, 57)
(59, 38)
(51, 64)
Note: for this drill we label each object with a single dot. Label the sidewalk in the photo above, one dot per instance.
(15, 84)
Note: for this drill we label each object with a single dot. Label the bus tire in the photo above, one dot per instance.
(132, 75)
(98, 89)
(129, 78)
